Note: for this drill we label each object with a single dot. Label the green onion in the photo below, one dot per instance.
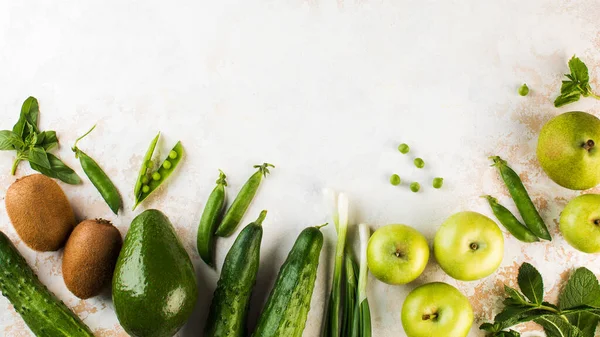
(364, 311)
(350, 304)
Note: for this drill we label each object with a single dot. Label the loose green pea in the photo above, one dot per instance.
(395, 180)
(156, 176)
(523, 90)
(419, 162)
(438, 182)
(415, 187)
(145, 188)
(145, 180)
(172, 154)
(403, 148)
(167, 164)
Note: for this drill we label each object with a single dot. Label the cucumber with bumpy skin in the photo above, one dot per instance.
(229, 307)
(43, 313)
(286, 310)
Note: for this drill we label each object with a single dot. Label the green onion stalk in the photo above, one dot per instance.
(340, 218)
(362, 313)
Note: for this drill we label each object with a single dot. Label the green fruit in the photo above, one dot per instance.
(397, 254)
(568, 152)
(436, 309)
(469, 246)
(580, 223)
(154, 285)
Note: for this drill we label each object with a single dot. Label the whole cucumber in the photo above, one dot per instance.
(286, 310)
(229, 307)
(43, 313)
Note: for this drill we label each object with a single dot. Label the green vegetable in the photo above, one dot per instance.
(510, 222)
(519, 194)
(403, 148)
(395, 179)
(415, 187)
(350, 298)
(419, 163)
(437, 182)
(98, 177)
(210, 220)
(286, 310)
(576, 314)
(43, 313)
(362, 313)
(577, 85)
(33, 145)
(523, 90)
(154, 287)
(158, 177)
(332, 327)
(242, 201)
(229, 307)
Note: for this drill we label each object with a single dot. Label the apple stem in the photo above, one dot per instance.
(474, 246)
(597, 222)
(589, 145)
(430, 316)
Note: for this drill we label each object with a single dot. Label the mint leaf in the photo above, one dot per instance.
(577, 84)
(567, 98)
(557, 326)
(58, 170)
(511, 314)
(582, 288)
(531, 283)
(585, 321)
(515, 297)
(10, 141)
(29, 114)
(38, 156)
(579, 71)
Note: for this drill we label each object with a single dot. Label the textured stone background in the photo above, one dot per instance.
(323, 89)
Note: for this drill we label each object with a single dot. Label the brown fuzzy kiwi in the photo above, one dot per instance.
(40, 212)
(90, 257)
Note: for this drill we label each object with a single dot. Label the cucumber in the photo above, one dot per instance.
(286, 310)
(43, 313)
(229, 307)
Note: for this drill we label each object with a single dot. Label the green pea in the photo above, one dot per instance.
(415, 187)
(419, 162)
(167, 164)
(145, 180)
(156, 176)
(403, 148)
(395, 179)
(523, 90)
(438, 182)
(172, 154)
(145, 188)
(149, 164)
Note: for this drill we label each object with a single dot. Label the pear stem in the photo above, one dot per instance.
(589, 145)
(474, 246)
(597, 222)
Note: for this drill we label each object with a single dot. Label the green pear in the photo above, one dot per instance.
(154, 284)
(568, 150)
(580, 223)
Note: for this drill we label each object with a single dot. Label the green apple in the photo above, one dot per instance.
(568, 150)
(580, 223)
(397, 254)
(436, 309)
(469, 246)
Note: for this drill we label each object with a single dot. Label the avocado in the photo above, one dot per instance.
(154, 285)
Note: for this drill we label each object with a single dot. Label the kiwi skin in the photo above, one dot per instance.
(90, 257)
(40, 212)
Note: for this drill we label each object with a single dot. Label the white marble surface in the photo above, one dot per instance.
(325, 90)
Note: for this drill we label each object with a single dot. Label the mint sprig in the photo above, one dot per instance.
(577, 85)
(576, 315)
(33, 145)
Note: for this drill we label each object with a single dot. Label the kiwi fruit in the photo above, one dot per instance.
(40, 212)
(90, 257)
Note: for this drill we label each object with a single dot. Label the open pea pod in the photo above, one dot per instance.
(147, 181)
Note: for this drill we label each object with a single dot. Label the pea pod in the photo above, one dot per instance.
(510, 222)
(98, 177)
(229, 307)
(242, 201)
(210, 220)
(149, 182)
(519, 194)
